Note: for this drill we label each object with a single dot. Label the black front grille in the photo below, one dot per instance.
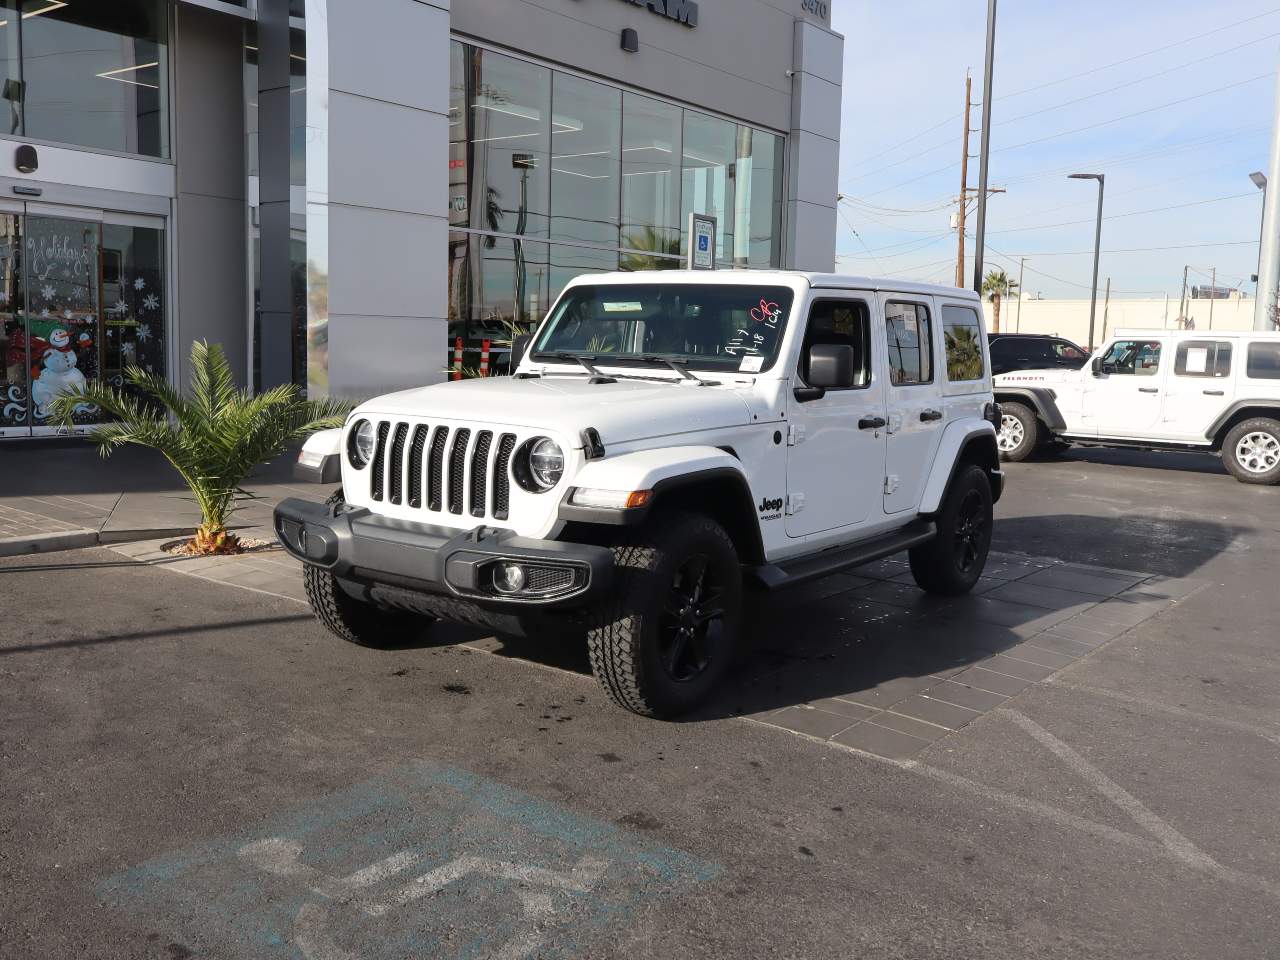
(397, 462)
(457, 463)
(378, 470)
(502, 477)
(549, 579)
(480, 472)
(416, 446)
(435, 469)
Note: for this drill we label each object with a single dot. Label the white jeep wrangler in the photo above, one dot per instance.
(1160, 389)
(666, 442)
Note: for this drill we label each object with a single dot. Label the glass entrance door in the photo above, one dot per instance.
(82, 298)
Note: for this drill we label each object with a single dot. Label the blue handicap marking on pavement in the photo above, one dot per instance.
(425, 861)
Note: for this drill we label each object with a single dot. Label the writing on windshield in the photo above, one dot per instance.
(716, 326)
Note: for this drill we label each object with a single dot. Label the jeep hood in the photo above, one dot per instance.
(622, 412)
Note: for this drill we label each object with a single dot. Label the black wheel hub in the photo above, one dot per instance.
(971, 530)
(692, 621)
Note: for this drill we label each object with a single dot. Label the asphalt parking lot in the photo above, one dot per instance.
(193, 770)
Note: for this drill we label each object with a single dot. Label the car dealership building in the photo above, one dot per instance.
(337, 190)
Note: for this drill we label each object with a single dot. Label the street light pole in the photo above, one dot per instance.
(980, 243)
(1269, 248)
(1022, 265)
(1097, 246)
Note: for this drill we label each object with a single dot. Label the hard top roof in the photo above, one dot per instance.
(824, 281)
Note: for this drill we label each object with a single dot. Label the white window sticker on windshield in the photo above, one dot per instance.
(751, 364)
(624, 306)
(1197, 359)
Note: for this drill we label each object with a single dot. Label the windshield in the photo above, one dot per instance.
(734, 327)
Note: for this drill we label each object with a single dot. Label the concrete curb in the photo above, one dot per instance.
(48, 542)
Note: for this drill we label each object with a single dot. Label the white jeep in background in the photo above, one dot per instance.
(666, 441)
(1217, 391)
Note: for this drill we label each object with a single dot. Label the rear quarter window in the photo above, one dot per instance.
(1263, 361)
(962, 334)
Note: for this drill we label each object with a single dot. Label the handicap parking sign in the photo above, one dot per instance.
(425, 861)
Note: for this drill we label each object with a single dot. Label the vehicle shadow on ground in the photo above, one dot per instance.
(1167, 546)
(1178, 462)
(872, 631)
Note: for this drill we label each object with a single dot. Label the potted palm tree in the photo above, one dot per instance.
(213, 437)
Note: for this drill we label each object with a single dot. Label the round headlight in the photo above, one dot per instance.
(546, 463)
(360, 444)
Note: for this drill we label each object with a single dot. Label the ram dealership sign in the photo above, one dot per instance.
(682, 11)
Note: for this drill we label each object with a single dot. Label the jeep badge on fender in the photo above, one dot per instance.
(630, 479)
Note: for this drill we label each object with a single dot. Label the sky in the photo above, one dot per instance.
(1171, 100)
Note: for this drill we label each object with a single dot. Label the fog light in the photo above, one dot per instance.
(508, 577)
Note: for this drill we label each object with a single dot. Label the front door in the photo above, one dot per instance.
(81, 298)
(835, 462)
(1124, 397)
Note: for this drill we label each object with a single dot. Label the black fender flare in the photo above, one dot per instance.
(1268, 406)
(1041, 399)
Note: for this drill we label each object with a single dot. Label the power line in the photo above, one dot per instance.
(1133, 213)
(1069, 283)
(1109, 252)
(1086, 73)
(1130, 116)
(1141, 56)
(1131, 83)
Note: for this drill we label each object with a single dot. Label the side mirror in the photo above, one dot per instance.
(519, 347)
(831, 366)
(1096, 364)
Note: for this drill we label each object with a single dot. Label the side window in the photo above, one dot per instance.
(844, 322)
(1066, 350)
(963, 336)
(1264, 361)
(1203, 358)
(909, 332)
(1132, 358)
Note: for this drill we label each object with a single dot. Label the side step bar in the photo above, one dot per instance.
(790, 573)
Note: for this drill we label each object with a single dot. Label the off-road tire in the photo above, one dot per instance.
(951, 563)
(356, 621)
(1027, 424)
(627, 630)
(1261, 436)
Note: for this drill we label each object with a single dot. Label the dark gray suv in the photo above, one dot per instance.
(1033, 351)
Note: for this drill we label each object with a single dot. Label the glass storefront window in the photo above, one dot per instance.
(585, 162)
(508, 133)
(495, 283)
(570, 262)
(650, 175)
(757, 234)
(710, 148)
(92, 74)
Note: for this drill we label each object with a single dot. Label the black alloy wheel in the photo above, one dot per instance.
(692, 621)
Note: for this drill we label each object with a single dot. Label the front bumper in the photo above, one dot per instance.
(360, 546)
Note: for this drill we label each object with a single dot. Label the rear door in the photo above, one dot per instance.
(836, 444)
(1198, 389)
(916, 415)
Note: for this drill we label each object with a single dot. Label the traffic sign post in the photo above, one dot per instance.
(702, 242)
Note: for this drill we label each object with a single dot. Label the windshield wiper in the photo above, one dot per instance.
(680, 367)
(587, 364)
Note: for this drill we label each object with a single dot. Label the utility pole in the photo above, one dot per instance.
(1022, 265)
(1106, 312)
(985, 156)
(1213, 293)
(1182, 306)
(964, 176)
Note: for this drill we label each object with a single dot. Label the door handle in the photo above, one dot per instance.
(1148, 389)
(1215, 393)
(928, 416)
(872, 423)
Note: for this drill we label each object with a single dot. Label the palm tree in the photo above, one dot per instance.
(994, 287)
(964, 354)
(213, 438)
